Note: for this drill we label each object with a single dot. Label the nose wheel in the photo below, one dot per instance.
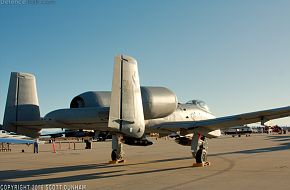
(201, 156)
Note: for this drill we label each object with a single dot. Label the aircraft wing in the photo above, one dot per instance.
(15, 141)
(229, 121)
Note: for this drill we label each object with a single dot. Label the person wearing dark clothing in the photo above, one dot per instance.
(35, 146)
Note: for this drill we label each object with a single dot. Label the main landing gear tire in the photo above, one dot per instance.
(201, 156)
(114, 155)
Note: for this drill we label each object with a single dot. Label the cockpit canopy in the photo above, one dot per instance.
(199, 103)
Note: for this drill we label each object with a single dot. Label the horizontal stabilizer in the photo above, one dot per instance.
(123, 121)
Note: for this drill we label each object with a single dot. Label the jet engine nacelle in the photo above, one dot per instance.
(157, 102)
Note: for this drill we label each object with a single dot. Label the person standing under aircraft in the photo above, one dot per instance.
(35, 144)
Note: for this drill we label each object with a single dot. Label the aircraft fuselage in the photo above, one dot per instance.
(97, 118)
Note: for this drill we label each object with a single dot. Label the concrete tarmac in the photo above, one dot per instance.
(256, 162)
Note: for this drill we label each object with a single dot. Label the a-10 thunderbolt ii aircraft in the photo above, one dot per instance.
(129, 112)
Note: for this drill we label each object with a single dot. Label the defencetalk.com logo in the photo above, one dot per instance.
(26, 2)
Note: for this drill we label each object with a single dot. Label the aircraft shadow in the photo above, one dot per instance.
(280, 138)
(8, 176)
(283, 146)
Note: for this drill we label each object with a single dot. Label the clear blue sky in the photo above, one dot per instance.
(235, 55)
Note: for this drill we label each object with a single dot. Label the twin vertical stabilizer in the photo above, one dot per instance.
(21, 104)
(126, 110)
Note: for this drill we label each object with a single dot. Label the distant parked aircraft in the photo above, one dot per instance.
(238, 131)
(9, 138)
